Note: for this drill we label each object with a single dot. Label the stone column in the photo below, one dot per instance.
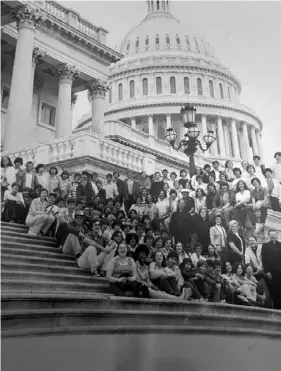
(260, 148)
(20, 102)
(168, 121)
(234, 138)
(97, 92)
(73, 102)
(150, 125)
(66, 75)
(133, 123)
(221, 138)
(254, 141)
(246, 142)
(204, 131)
(37, 56)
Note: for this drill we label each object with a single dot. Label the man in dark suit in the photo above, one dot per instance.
(121, 186)
(271, 261)
(132, 190)
(28, 178)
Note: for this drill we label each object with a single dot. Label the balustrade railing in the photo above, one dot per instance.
(79, 145)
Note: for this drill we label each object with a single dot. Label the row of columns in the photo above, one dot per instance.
(222, 140)
(21, 92)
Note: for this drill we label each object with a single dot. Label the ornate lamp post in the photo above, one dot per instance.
(190, 142)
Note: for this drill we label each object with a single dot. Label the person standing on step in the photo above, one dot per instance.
(274, 189)
(276, 168)
(38, 218)
(271, 261)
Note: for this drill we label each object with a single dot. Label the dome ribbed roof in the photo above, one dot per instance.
(161, 31)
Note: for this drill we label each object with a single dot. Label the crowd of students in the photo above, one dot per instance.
(163, 236)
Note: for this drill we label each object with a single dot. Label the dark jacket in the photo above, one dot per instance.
(213, 200)
(86, 191)
(232, 256)
(136, 189)
(65, 228)
(156, 187)
(34, 182)
(181, 226)
(202, 229)
(121, 187)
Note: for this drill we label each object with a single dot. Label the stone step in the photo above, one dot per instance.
(14, 226)
(31, 247)
(30, 250)
(17, 284)
(38, 259)
(41, 268)
(64, 300)
(49, 318)
(25, 238)
(54, 277)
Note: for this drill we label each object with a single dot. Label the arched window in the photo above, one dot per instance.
(178, 40)
(187, 41)
(128, 45)
(137, 43)
(132, 89)
(221, 90)
(110, 95)
(147, 41)
(120, 91)
(152, 5)
(173, 88)
(211, 88)
(229, 95)
(157, 40)
(158, 5)
(186, 85)
(199, 86)
(163, 5)
(158, 85)
(168, 41)
(145, 86)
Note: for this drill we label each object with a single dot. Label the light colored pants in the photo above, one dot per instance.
(227, 214)
(89, 260)
(38, 223)
(162, 295)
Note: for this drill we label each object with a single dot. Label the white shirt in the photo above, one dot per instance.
(95, 188)
(161, 207)
(28, 181)
(276, 168)
(244, 197)
(8, 196)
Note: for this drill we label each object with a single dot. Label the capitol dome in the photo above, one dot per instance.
(165, 66)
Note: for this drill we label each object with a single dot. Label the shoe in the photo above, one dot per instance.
(95, 274)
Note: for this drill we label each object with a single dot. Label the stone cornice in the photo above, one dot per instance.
(77, 39)
(176, 104)
(182, 68)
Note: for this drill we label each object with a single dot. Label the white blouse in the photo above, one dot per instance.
(244, 197)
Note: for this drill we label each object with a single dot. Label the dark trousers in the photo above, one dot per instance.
(135, 289)
(129, 203)
(275, 204)
(14, 212)
(168, 285)
(242, 213)
(62, 234)
(263, 214)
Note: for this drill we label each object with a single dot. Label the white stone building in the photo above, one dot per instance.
(164, 67)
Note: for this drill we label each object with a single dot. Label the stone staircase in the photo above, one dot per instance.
(44, 293)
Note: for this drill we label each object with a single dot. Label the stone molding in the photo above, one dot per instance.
(66, 72)
(37, 56)
(28, 16)
(97, 88)
(181, 68)
(176, 104)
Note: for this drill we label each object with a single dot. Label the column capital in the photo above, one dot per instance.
(168, 114)
(66, 73)
(29, 17)
(37, 56)
(97, 88)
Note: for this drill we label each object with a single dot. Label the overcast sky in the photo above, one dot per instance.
(246, 37)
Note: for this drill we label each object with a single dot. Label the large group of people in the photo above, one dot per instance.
(168, 236)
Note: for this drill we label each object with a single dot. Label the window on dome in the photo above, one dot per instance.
(173, 88)
(110, 96)
(137, 43)
(145, 86)
(147, 41)
(158, 85)
(157, 40)
(168, 41)
(132, 89)
(196, 44)
(151, 6)
(163, 5)
(199, 86)
(221, 90)
(186, 85)
(128, 46)
(178, 40)
(120, 91)
(158, 5)
(5, 97)
(187, 41)
(211, 88)
(229, 95)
